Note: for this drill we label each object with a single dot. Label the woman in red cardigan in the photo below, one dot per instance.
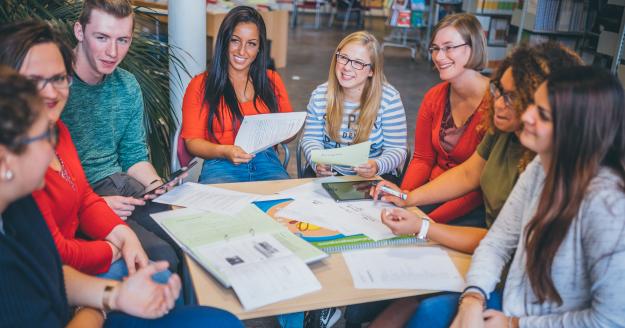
(448, 124)
(88, 234)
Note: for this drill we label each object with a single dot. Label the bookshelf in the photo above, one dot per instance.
(566, 21)
(495, 18)
(406, 16)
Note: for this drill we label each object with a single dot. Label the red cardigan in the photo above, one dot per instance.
(66, 211)
(430, 160)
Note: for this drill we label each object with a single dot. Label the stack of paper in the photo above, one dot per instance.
(261, 270)
(427, 268)
(193, 229)
(207, 198)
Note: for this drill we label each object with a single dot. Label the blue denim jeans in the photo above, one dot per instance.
(440, 310)
(264, 166)
(118, 271)
(180, 316)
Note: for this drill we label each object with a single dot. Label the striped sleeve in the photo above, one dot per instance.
(394, 132)
(315, 123)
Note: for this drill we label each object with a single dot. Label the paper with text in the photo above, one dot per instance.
(353, 155)
(193, 229)
(427, 268)
(259, 132)
(261, 270)
(207, 198)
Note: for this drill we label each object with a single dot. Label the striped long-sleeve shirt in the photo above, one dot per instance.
(388, 133)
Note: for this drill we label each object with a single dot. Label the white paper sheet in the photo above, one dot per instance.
(427, 268)
(261, 270)
(207, 198)
(349, 218)
(259, 132)
(353, 155)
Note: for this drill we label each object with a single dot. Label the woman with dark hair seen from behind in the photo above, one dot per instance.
(564, 221)
(238, 84)
(37, 290)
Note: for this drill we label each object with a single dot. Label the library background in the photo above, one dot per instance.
(304, 33)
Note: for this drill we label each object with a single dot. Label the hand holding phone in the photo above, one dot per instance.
(172, 178)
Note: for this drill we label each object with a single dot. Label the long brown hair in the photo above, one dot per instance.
(588, 132)
(530, 67)
(371, 93)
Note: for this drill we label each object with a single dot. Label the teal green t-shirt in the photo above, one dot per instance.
(106, 124)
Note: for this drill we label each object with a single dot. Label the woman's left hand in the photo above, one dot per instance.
(367, 170)
(132, 252)
(495, 319)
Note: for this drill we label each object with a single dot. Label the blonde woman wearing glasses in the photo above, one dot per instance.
(355, 105)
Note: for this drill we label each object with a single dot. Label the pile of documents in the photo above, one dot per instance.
(247, 250)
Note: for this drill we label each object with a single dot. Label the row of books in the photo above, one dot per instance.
(499, 7)
(560, 15)
(407, 18)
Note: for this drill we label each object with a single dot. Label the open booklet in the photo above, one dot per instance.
(259, 132)
(261, 269)
(193, 230)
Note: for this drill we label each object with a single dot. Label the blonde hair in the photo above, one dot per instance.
(471, 32)
(371, 94)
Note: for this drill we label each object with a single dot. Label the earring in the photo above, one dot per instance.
(8, 175)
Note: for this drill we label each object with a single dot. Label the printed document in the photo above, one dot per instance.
(261, 270)
(207, 198)
(353, 155)
(349, 218)
(259, 132)
(427, 268)
(194, 229)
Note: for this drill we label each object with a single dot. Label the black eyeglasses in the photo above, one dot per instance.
(50, 134)
(59, 82)
(496, 92)
(445, 49)
(356, 64)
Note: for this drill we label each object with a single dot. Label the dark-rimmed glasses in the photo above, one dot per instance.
(59, 82)
(50, 134)
(445, 49)
(356, 64)
(496, 92)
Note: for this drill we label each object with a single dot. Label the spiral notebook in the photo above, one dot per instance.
(327, 240)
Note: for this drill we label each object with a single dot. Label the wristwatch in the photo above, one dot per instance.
(423, 231)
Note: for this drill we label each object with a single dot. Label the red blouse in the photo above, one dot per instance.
(430, 160)
(71, 206)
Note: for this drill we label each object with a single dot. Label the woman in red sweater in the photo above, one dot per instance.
(448, 124)
(88, 234)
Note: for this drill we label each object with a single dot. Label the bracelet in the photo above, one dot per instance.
(476, 288)
(423, 231)
(106, 298)
(472, 294)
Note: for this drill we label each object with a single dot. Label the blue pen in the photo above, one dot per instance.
(393, 192)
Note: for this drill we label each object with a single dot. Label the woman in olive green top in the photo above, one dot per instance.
(498, 160)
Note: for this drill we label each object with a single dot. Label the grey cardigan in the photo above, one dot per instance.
(588, 269)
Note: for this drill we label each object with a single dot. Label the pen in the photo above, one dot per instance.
(393, 192)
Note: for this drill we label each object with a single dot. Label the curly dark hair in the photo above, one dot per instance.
(20, 106)
(531, 66)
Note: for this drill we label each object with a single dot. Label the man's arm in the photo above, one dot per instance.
(145, 173)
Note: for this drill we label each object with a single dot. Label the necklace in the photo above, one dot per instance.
(65, 174)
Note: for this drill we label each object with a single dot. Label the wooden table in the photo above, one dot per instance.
(333, 274)
(276, 22)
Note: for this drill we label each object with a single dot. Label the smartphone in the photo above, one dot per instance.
(172, 177)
